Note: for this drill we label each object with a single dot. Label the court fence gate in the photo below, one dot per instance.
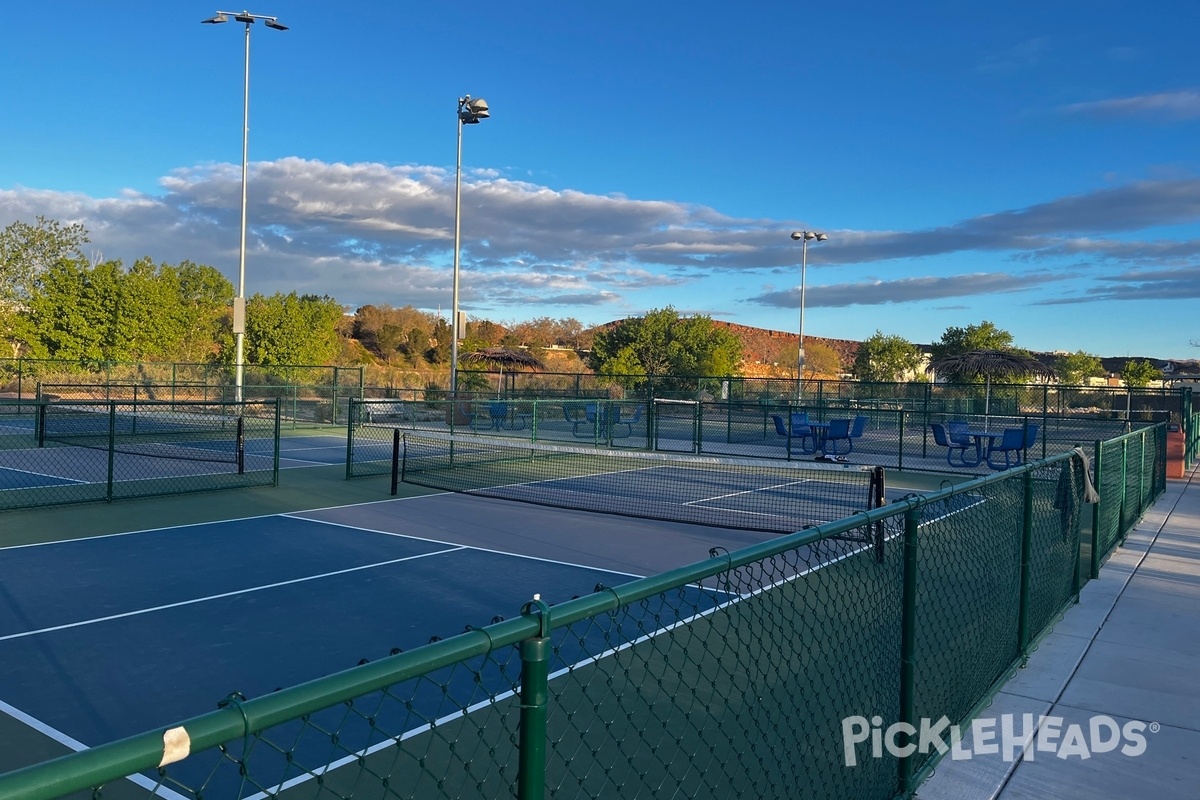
(753, 673)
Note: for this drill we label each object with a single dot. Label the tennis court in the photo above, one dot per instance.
(104, 637)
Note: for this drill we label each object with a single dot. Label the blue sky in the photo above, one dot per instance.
(1032, 164)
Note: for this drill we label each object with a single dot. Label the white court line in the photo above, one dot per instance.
(283, 449)
(747, 491)
(459, 546)
(222, 595)
(40, 475)
(75, 745)
(182, 526)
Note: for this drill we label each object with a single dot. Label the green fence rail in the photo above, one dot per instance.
(748, 674)
(80, 451)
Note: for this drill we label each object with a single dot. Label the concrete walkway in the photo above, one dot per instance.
(1129, 652)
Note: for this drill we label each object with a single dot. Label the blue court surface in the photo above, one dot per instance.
(104, 637)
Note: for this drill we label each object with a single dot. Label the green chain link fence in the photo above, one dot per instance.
(749, 674)
(54, 453)
(308, 395)
(893, 438)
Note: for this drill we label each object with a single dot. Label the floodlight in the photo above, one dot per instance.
(219, 18)
(470, 112)
(804, 237)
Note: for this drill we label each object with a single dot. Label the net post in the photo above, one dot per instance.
(241, 440)
(112, 448)
(40, 424)
(395, 461)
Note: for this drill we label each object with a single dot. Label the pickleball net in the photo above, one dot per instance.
(748, 494)
(181, 431)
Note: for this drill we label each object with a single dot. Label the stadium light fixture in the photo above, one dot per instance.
(804, 237)
(239, 303)
(470, 111)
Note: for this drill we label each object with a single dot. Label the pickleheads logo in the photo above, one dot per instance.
(996, 736)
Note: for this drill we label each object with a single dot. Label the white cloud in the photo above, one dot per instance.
(372, 233)
(1183, 104)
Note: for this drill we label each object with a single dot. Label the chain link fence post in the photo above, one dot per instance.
(535, 698)
(908, 646)
(1026, 566)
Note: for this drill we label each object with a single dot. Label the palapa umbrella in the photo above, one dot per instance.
(989, 363)
(502, 357)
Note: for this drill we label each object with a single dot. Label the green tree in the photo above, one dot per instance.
(887, 359)
(1075, 368)
(1139, 374)
(26, 252)
(663, 344)
(984, 336)
(106, 312)
(67, 315)
(205, 297)
(288, 329)
(438, 350)
(820, 360)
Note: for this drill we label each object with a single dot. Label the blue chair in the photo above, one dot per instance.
(958, 432)
(952, 447)
(800, 432)
(628, 423)
(856, 430)
(587, 421)
(498, 413)
(839, 431)
(1013, 445)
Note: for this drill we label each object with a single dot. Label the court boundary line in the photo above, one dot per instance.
(460, 546)
(220, 595)
(215, 521)
(73, 744)
(40, 475)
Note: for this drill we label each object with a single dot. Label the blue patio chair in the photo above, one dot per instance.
(587, 421)
(800, 432)
(856, 430)
(952, 447)
(1013, 445)
(498, 414)
(629, 422)
(958, 432)
(839, 431)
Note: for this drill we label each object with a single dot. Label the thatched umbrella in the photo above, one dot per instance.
(502, 357)
(989, 364)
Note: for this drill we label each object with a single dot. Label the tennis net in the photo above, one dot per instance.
(774, 496)
(183, 431)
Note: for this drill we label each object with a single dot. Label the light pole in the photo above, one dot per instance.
(804, 237)
(239, 303)
(470, 112)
